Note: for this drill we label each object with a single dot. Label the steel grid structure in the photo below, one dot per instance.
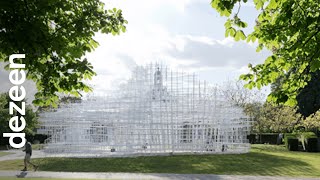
(156, 112)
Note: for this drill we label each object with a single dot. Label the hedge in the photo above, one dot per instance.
(264, 138)
(288, 136)
(312, 144)
(309, 139)
(293, 144)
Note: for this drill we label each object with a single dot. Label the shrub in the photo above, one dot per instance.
(301, 136)
(304, 136)
(40, 137)
(308, 135)
(312, 144)
(293, 144)
(288, 136)
(264, 138)
(252, 138)
(270, 138)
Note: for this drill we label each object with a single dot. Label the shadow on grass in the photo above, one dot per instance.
(22, 174)
(253, 163)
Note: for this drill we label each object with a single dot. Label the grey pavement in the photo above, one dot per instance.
(155, 176)
(19, 154)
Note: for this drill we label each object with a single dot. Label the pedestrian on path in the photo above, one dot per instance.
(27, 157)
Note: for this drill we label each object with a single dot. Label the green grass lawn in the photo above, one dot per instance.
(4, 153)
(262, 160)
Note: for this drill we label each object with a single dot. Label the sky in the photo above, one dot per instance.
(186, 35)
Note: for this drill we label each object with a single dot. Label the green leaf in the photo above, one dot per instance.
(250, 85)
(240, 35)
(258, 84)
(123, 29)
(315, 65)
(227, 24)
(259, 4)
(259, 48)
(291, 102)
(232, 32)
(272, 4)
(227, 33)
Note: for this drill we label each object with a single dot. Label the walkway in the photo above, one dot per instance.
(19, 154)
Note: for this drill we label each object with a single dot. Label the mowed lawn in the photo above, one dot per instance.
(263, 160)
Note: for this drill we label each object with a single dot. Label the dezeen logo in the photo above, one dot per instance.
(17, 93)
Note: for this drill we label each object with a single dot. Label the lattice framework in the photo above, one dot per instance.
(157, 111)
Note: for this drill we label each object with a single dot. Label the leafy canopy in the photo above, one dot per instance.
(269, 117)
(288, 28)
(54, 35)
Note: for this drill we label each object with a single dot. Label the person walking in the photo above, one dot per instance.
(27, 157)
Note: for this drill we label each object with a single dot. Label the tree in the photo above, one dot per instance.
(288, 28)
(55, 35)
(254, 111)
(30, 116)
(279, 118)
(62, 100)
(312, 123)
(251, 101)
(308, 97)
(268, 117)
(234, 92)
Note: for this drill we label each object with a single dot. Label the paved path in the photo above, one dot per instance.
(19, 154)
(154, 176)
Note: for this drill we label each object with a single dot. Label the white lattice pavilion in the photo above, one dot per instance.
(156, 112)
